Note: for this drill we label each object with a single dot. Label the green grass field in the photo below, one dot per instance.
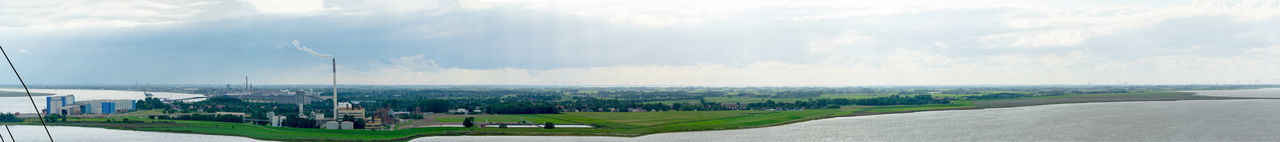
(641, 119)
(851, 96)
(733, 100)
(640, 124)
(503, 118)
(823, 96)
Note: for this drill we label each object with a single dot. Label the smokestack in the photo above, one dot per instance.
(335, 88)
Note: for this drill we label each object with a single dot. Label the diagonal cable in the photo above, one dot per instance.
(29, 97)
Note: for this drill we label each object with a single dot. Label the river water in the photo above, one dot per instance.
(1198, 120)
(82, 134)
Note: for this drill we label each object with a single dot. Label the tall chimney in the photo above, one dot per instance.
(335, 88)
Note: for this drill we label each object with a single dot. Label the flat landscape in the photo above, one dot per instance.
(625, 124)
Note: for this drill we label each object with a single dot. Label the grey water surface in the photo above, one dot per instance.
(1197, 120)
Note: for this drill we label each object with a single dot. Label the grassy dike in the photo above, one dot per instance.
(614, 123)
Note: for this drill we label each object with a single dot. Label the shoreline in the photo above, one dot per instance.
(963, 105)
(1050, 100)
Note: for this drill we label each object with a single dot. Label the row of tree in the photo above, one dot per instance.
(202, 117)
(150, 103)
(541, 104)
(9, 118)
(837, 102)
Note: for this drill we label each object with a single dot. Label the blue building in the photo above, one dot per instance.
(66, 105)
(58, 104)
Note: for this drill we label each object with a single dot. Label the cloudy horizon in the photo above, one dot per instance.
(648, 42)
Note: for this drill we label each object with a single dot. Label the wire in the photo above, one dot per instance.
(29, 97)
(6, 129)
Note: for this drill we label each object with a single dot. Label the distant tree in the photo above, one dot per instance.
(358, 124)
(468, 122)
(348, 118)
(411, 116)
(230, 118)
(9, 118)
(435, 105)
(548, 125)
(151, 103)
(223, 100)
(299, 122)
(53, 118)
(257, 115)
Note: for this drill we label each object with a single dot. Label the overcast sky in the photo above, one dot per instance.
(644, 42)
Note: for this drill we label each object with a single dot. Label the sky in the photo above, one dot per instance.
(644, 42)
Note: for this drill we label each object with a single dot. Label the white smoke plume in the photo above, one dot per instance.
(299, 46)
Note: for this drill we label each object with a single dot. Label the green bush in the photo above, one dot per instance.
(9, 118)
(54, 118)
(468, 122)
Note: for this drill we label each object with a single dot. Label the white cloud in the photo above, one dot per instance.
(901, 68)
(400, 7)
(24, 51)
(70, 14)
(833, 48)
(843, 9)
(1048, 38)
(940, 44)
(415, 63)
(648, 13)
(1061, 27)
(287, 6)
(1273, 50)
(895, 43)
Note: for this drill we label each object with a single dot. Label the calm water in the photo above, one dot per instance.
(1205, 120)
(82, 134)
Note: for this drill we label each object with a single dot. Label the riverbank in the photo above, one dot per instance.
(21, 94)
(1190, 120)
(1048, 100)
(624, 124)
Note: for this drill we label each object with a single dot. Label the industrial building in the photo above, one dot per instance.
(67, 105)
(282, 97)
(345, 109)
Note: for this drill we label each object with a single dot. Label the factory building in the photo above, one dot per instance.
(282, 97)
(66, 105)
(345, 109)
(57, 104)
